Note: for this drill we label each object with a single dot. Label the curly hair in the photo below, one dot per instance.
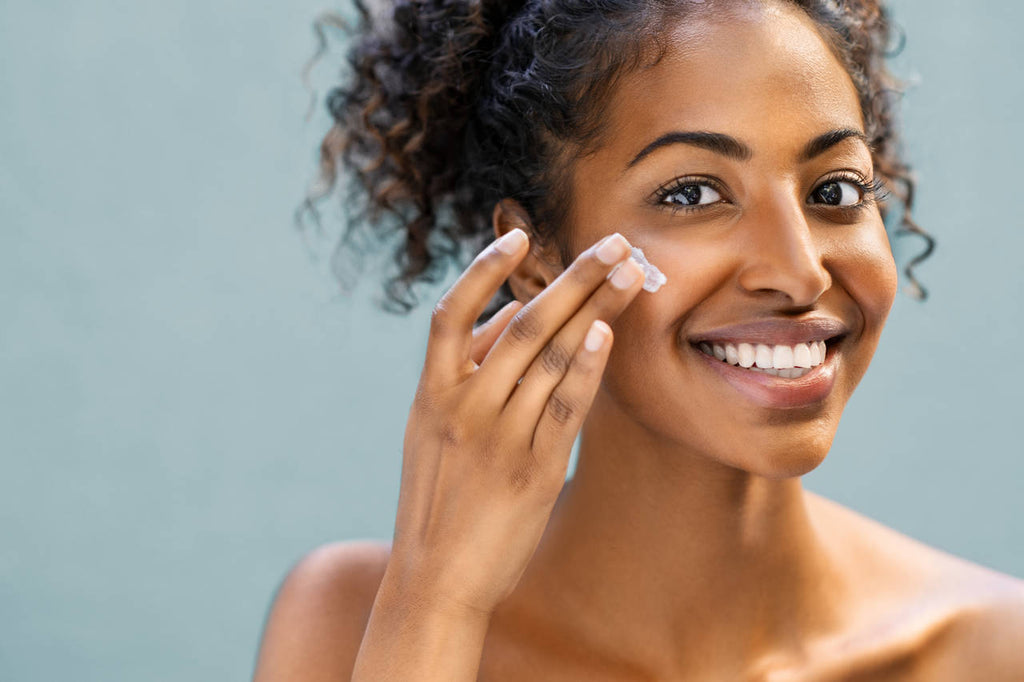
(453, 105)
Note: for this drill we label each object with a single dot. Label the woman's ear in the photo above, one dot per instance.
(540, 267)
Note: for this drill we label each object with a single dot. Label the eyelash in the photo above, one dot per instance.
(872, 191)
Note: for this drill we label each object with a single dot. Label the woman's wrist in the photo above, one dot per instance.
(426, 592)
(418, 633)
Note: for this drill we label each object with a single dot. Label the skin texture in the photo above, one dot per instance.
(685, 547)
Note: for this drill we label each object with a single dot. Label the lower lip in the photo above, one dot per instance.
(777, 392)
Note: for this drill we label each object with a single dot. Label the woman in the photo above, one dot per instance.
(746, 147)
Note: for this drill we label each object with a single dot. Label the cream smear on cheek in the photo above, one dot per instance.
(653, 277)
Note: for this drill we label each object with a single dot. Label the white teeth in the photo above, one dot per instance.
(792, 373)
(790, 362)
(815, 350)
(782, 357)
(732, 356)
(746, 353)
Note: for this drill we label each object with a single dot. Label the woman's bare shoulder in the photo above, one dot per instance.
(320, 612)
(906, 557)
(970, 617)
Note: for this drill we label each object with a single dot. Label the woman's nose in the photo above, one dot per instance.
(781, 255)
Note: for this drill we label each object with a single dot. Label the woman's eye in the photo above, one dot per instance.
(692, 194)
(837, 193)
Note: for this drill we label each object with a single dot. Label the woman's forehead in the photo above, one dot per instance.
(759, 75)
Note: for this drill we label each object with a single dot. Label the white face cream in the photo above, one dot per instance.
(653, 277)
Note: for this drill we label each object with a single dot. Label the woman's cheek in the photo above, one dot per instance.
(865, 262)
(694, 270)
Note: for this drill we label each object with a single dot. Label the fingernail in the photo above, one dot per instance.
(596, 336)
(510, 243)
(623, 277)
(612, 249)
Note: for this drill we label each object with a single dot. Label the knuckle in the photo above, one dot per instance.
(525, 326)
(523, 473)
(555, 359)
(452, 435)
(562, 408)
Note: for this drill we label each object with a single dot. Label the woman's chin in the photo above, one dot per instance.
(777, 466)
(780, 455)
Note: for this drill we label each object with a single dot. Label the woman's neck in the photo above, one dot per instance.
(668, 557)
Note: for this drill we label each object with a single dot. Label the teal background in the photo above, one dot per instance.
(187, 407)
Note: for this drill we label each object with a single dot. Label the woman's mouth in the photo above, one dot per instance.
(776, 376)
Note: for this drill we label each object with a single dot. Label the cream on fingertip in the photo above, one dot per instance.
(653, 277)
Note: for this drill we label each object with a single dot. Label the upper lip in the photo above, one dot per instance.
(775, 332)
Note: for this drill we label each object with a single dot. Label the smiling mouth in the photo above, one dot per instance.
(783, 361)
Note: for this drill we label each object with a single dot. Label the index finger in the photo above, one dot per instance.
(451, 322)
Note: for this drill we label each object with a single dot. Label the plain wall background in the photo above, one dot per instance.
(186, 407)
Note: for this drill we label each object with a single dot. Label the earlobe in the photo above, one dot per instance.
(535, 272)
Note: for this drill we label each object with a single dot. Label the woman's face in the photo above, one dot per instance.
(759, 225)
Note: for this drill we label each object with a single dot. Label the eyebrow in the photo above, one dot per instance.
(732, 148)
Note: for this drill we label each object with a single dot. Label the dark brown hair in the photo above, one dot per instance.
(453, 105)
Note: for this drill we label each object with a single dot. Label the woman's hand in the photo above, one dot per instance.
(495, 416)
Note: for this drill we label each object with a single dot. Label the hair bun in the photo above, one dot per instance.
(399, 127)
